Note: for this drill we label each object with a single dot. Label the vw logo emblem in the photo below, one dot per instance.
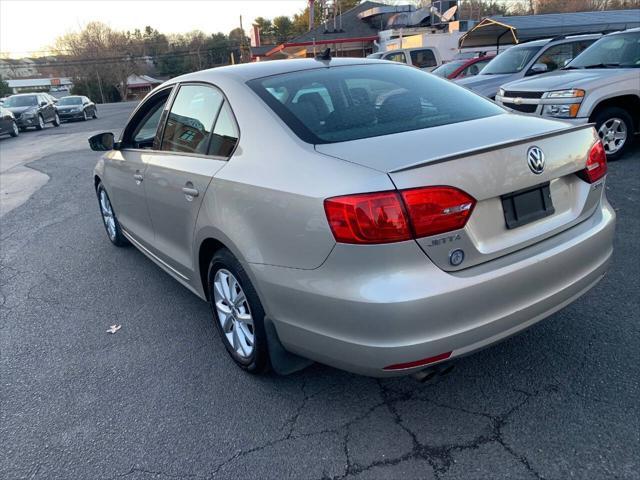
(535, 159)
(517, 100)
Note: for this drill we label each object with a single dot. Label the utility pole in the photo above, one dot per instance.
(243, 47)
(100, 87)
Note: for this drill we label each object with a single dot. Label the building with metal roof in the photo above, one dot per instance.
(350, 35)
(499, 30)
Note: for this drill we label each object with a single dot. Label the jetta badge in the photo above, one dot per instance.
(535, 159)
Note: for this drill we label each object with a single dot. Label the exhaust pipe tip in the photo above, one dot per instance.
(432, 373)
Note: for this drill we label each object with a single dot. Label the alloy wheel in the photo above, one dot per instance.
(613, 134)
(16, 130)
(107, 215)
(40, 122)
(233, 313)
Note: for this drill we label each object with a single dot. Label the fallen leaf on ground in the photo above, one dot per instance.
(114, 328)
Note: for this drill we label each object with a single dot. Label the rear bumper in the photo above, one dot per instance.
(70, 116)
(368, 307)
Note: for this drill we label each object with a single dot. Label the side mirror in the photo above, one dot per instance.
(102, 142)
(43, 104)
(567, 62)
(538, 68)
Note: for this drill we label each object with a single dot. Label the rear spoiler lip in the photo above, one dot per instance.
(477, 151)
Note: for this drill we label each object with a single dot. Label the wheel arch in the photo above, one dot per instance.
(629, 103)
(207, 249)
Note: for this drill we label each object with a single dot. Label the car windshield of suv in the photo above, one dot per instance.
(447, 69)
(327, 105)
(614, 51)
(511, 61)
(70, 101)
(22, 101)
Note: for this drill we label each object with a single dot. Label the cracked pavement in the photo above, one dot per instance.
(161, 399)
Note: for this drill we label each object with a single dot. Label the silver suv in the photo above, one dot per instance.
(602, 85)
(525, 60)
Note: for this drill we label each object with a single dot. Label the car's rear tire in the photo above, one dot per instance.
(237, 312)
(56, 120)
(109, 219)
(15, 131)
(615, 128)
(40, 124)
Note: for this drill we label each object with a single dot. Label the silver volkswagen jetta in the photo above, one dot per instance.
(354, 212)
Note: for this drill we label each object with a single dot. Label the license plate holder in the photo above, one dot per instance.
(527, 205)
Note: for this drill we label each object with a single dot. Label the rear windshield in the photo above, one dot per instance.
(338, 104)
(447, 69)
(70, 101)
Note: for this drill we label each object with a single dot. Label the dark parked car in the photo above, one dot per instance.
(464, 67)
(32, 110)
(76, 107)
(8, 123)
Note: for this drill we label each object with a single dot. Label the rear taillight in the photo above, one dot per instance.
(436, 210)
(368, 218)
(596, 167)
(386, 217)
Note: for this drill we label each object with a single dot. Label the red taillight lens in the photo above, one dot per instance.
(386, 217)
(368, 218)
(596, 164)
(436, 210)
(419, 363)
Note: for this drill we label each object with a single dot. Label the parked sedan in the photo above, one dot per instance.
(76, 107)
(32, 110)
(8, 123)
(393, 222)
(462, 68)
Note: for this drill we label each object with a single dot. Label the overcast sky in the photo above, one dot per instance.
(29, 26)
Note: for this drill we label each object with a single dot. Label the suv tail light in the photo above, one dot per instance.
(596, 167)
(386, 217)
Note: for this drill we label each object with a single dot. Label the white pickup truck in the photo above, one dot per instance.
(425, 58)
(601, 85)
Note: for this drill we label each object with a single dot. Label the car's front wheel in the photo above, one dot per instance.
(109, 219)
(615, 129)
(95, 113)
(40, 124)
(15, 131)
(56, 120)
(84, 116)
(237, 313)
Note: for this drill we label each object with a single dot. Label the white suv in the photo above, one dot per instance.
(601, 85)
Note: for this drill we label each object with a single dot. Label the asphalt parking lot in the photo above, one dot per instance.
(161, 399)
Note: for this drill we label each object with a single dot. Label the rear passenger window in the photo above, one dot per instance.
(423, 58)
(191, 119)
(225, 134)
(396, 57)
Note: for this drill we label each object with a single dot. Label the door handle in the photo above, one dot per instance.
(138, 178)
(190, 192)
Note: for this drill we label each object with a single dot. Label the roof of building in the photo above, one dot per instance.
(38, 82)
(142, 81)
(261, 50)
(521, 28)
(347, 27)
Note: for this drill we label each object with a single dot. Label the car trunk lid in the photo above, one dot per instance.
(483, 159)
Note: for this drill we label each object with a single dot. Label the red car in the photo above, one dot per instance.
(465, 67)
